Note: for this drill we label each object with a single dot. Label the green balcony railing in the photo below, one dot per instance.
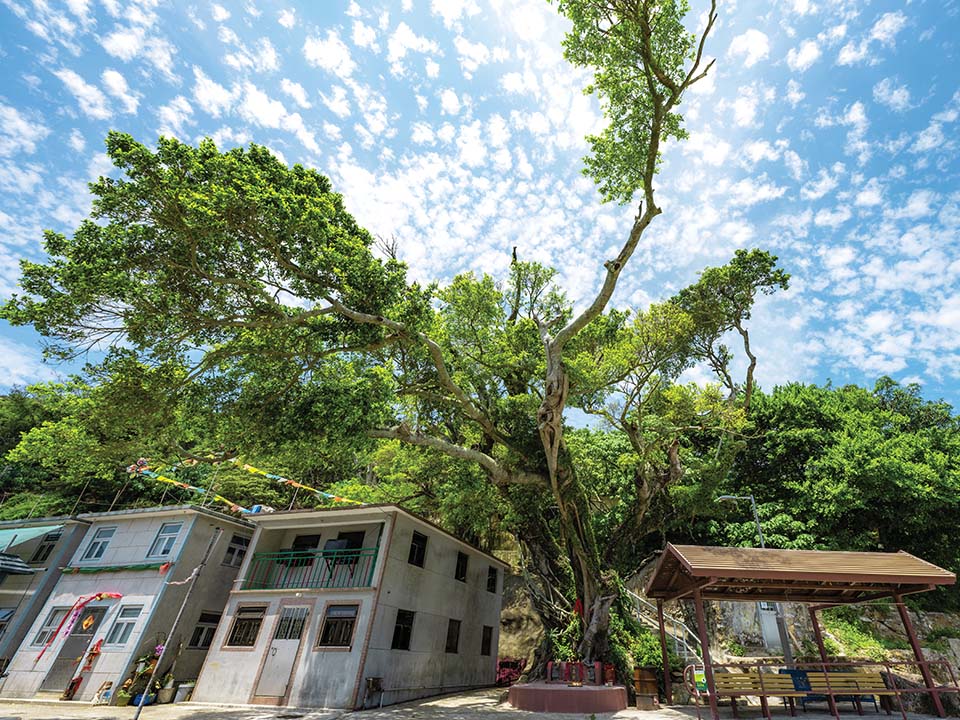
(302, 569)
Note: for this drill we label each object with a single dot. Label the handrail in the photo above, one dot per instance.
(692, 648)
(313, 568)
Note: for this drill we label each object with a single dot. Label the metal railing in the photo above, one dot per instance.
(305, 569)
(686, 644)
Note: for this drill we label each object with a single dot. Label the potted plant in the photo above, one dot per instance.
(166, 692)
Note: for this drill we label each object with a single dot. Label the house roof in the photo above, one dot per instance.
(163, 510)
(32, 522)
(373, 511)
(14, 565)
(806, 576)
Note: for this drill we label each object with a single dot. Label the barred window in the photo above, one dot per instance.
(246, 626)
(418, 549)
(338, 624)
(206, 627)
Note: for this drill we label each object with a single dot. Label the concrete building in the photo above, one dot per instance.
(44, 544)
(144, 556)
(352, 607)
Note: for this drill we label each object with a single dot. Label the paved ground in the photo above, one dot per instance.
(478, 705)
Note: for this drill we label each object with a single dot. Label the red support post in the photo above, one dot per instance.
(667, 689)
(705, 647)
(818, 636)
(918, 653)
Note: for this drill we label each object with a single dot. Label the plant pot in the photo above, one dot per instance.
(165, 695)
(151, 698)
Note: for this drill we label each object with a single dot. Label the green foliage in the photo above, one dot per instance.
(736, 649)
(855, 637)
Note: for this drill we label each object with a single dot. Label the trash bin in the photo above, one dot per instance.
(184, 692)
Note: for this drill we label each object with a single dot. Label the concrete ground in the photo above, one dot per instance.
(477, 705)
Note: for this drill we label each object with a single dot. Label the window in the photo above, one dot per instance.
(418, 549)
(5, 615)
(453, 636)
(97, 546)
(165, 539)
(236, 551)
(461, 572)
(203, 633)
(402, 630)
(45, 547)
(123, 625)
(491, 579)
(486, 640)
(50, 625)
(246, 626)
(303, 546)
(338, 624)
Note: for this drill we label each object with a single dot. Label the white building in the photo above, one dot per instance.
(354, 606)
(142, 555)
(45, 544)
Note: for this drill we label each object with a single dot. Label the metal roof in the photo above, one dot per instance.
(13, 565)
(164, 510)
(806, 576)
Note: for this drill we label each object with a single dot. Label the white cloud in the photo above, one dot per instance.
(794, 94)
(471, 55)
(816, 189)
(219, 13)
(18, 134)
(116, 85)
(77, 141)
(258, 108)
(795, 164)
(888, 92)
(753, 46)
(449, 102)
(832, 218)
(450, 11)
(402, 41)
(918, 205)
(884, 31)
(287, 18)
(330, 54)
(930, 138)
(174, 116)
(295, 90)
(870, 194)
(802, 57)
(92, 101)
(365, 36)
(21, 365)
(212, 97)
(337, 101)
(432, 68)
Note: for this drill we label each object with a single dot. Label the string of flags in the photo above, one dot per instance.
(142, 467)
(292, 483)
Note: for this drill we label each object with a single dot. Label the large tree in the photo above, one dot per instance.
(297, 333)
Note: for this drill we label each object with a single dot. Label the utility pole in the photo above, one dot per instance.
(194, 576)
(781, 623)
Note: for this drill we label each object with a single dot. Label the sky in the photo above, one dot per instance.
(827, 134)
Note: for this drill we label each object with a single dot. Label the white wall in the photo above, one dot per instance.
(435, 596)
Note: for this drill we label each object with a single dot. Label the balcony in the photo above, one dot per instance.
(311, 569)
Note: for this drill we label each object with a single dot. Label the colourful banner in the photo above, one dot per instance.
(70, 619)
(141, 467)
(292, 483)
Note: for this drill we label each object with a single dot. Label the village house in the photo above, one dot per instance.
(354, 607)
(118, 594)
(43, 545)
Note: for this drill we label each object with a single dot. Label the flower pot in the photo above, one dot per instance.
(165, 695)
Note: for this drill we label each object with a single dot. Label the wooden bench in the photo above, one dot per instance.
(852, 687)
(756, 684)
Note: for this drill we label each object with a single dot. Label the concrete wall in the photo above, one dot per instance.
(321, 677)
(435, 596)
(147, 588)
(28, 593)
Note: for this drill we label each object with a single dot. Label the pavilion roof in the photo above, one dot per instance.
(805, 576)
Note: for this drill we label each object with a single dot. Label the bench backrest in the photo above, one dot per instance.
(749, 682)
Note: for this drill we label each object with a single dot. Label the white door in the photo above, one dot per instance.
(275, 676)
(768, 626)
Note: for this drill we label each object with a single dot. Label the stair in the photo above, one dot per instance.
(686, 644)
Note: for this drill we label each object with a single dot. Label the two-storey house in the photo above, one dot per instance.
(44, 544)
(352, 607)
(133, 564)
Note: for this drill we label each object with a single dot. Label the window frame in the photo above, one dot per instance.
(170, 540)
(98, 543)
(236, 551)
(229, 640)
(493, 573)
(418, 550)
(486, 640)
(50, 626)
(397, 642)
(459, 573)
(204, 630)
(46, 547)
(454, 647)
(123, 626)
(320, 645)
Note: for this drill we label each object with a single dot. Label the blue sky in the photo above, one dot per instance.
(827, 134)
